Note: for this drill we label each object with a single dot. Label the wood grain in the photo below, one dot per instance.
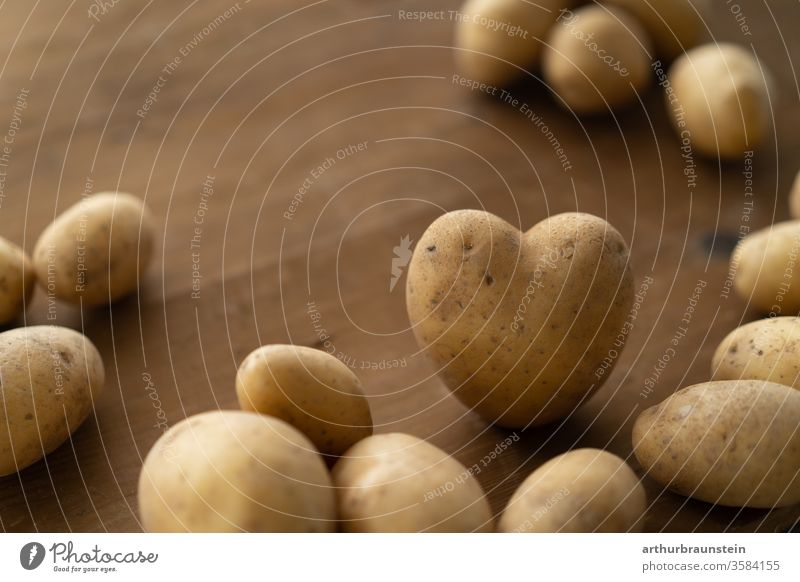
(254, 105)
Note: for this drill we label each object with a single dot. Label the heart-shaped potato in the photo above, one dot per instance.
(523, 327)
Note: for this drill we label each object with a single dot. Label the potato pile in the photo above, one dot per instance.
(51, 376)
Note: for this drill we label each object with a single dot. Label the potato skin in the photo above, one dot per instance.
(230, 471)
(579, 76)
(731, 443)
(481, 51)
(794, 198)
(582, 491)
(674, 25)
(723, 97)
(765, 263)
(768, 349)
(95, 251)
(50, 378)
(518, 324)
(399, 483)
(311, 390)
(17, 281)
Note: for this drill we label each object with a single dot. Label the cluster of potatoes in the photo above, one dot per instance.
(51, 376)
(603, 56)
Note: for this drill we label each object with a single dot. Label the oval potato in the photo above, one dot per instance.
(498, 40)
(766, 268)
(311, 390)
(794, 198)
(732, 442)
(50, 378)
(582, 491)
(768, 349)
(399, 483)
(231, 471)
(519, 325)
(95, 251)
(607, 73)
(17, 281)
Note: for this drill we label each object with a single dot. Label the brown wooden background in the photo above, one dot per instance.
(275, 89)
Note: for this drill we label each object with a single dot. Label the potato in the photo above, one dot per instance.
(498, 40)
(596, 59)
(794, 198)
(399, 483)
(311, 390)
(674, 25)
(523, 328)
(229, 471)
(732, 442)
(50, 378)
(768, 349)
(17, 281)
(720, 100)
(94, 253)
(582, 491)
(766, 268)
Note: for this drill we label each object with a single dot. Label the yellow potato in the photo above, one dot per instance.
(596, 59)
(498, 40)
(17, 281)
(734, 442)
(768, 349)
(794, 198)
(523, 328)
(95, 252)
(674, 25)
(50, 378)
(587, 490)
(399, 483)
(230, 471)
(720, 100)
(766, 267)
(311, 390)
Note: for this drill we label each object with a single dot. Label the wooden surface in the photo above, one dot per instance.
(270, 93)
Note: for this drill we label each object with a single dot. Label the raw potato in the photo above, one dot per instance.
(732, 443)
(766, 268)
(674, 25)
(597, 58)
(582, 491)
(794, 198)
(522, 327)
(497, 40)
(50, 378)
(230, 471)
(768, 349)
(722, 100)
(399, 483)
(311, 390)
(17, 281)
(96, 250)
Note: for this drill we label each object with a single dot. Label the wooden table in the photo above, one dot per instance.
(219, 112)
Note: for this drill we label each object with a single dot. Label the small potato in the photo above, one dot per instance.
(498, 40)
(582, 491)
(96, 250)
(732, 443)
(597, 58)
(399, 483)
(794, 198)
(768, 349)
(50, 378)
(231, 471)
(766, 268)
(522, 327)
(674, 25)
(720, 100)
(17, 281)
(311, 390)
